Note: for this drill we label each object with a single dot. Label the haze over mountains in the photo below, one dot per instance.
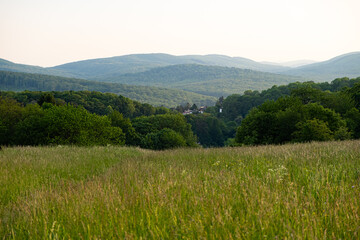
(107, 67)
(103, 68)
(210, 75)
(347, 65)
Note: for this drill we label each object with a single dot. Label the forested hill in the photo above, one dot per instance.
(14, 81)
(106, 67)
(103, 68)
(208, 80)
(345, 65)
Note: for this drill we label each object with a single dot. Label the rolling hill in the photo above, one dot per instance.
(208, 80)
(213, 75)
(347, 65)
(15, 81)
(104, 68)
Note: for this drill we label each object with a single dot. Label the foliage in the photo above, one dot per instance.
(94, 102)
(164, 139)
(153, 124)
(352, 118)
(312, 130)
(10, 114)
(117, 120)
(331, 95)
(46, 98)
(209, 130)
(70, 125)
(50, 124)
(289, 119)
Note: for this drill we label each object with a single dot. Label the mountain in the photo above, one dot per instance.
(208, 80)
(104, 68)
(213, 75)
(347, 65)
(15, 81)
(107, 68)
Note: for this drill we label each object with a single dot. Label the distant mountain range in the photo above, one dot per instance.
(104, 68)
(212, 75)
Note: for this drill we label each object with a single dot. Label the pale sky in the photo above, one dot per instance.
(53, 32)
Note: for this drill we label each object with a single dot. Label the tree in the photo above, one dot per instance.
(10, 115)
(164, 139)
(71, 125)
(208, 129)
(176, 122)
(194, 107)
(352, 118)
(289, 119)
(32, 129)
(312, 130)
(48, 98)
(118, 120)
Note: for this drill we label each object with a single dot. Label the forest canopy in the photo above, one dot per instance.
(297, 112)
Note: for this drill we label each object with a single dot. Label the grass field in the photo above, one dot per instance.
(303, 191)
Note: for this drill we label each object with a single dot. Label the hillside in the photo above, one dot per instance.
(208, 80)
(213, 75)
(103, 68)
(347, 65)
(13, 81)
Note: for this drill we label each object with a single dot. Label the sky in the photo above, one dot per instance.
(52, 32)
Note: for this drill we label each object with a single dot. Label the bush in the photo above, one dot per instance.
(163, 139)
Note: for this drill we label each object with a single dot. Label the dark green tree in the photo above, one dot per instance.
(153, 124)
(118, 120)
(312, 130)
(48, 98)
(164, 139)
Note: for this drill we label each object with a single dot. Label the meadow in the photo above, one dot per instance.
(293, 191)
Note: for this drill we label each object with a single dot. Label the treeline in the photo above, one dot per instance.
(293, 113)
(45, 123)
(94, 102)
(210, 131)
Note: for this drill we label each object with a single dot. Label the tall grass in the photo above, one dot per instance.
(291, 191)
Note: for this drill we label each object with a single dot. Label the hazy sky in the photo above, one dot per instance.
(52, 32)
